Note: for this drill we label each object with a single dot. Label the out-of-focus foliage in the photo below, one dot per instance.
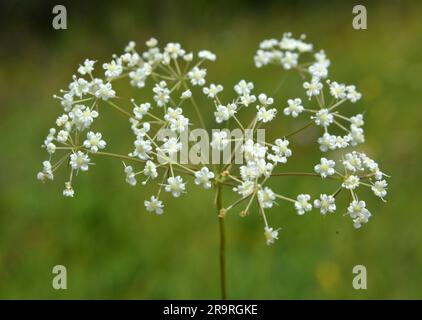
(114, 249)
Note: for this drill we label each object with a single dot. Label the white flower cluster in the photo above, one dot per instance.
(176, 77)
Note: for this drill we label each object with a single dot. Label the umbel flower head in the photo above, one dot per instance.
(172, 79)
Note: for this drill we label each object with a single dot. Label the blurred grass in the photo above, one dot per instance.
(112, 248)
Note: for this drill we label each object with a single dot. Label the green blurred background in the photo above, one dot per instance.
(113, 248)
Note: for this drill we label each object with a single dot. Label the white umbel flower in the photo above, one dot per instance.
(243, 87)
(266, 197)
(219, 140)
(150, 170)
(325, 168)
(323, 118)
(380, 188)
(105, 91)
(142, 148)
(326, 204)
(270, 235)
(351, 182)
(295, 107)
(338, 90)
(203, 177)
(281, 151)
(313, 88)
(358, 212)
(175, 185)
(86, 67)
(245, 188)
(302, 204)
(212, 90)
(130, 175)
(68, 190)
(197, 76)
(186, 94)
(207, 55)
(154, 205)
(327, 142)
(266, 115)
(79, 161)
(46, 173)
(94, 141)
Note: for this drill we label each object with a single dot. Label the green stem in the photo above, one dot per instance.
(222, 244)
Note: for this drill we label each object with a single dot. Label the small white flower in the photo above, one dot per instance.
(264, 100)
(171, 146)
(130, 175)
(175, 185)
(188, 57)
(295, 107)
(208, 55)
(141, 110)
(247, 99)
(219, 140)
(222, 113)
(327, 142)
(172, 114)
(243, 88)
(94, 141)
(197, 76)
(174, 50)
(326, 203)
(289, 60)
(245, 188)
(142, 148)
(154, 205)
(51, 148)
(113, 69)
(266, 115)
(186, 94)
(46, 173)
(352, 162)
(351, 182)
(130, 46)
(341, 142)
(380, 188)
(352, 94)
(79, 87)
(313, 88)
(281, 151)
(82, 116)
(68, 190)
(318, 70)
(325, 168)
(337, 90)
(62, 136)
(179, 124)
(358, 212)
(140, 75)
(213, 90)
(150, 170)
(79, 160)
(356, 135)
(105, 92)
(151, 43)
(302, 204)
(323, 118)
(87, 67)
(162, 93)
(203, 176)
(357, 120)
(270, 235)
(266, 197)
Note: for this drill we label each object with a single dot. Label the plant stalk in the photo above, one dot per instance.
(222, 244)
